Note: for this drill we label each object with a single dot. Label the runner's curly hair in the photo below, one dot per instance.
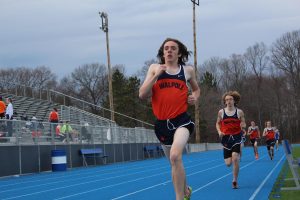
(182, 51)
(236, 97)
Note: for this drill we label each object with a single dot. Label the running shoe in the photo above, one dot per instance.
(188, 197)
(234, 185)
(256, 156)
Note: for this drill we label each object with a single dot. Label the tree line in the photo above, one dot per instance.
(268, 79)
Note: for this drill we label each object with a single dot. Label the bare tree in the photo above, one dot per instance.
(257, 60)
(42, 77)
(28, 81)
(233, 72)
(141, 74)
(67, 86)
(8, 78)
(286, 57)
(90, 82)
(213, 66)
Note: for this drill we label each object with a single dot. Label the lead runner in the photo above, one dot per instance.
(167, 84)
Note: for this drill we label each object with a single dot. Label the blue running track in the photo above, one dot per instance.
(151, 179)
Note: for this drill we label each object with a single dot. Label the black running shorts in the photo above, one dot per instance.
(165, 129)
(270, 143)
(231, 143)
(252, 141)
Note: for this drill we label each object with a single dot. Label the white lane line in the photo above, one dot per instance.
(71, 174)
(64, 197)
(108, 186)
(85, 177)
(265, 180)
(204, 186)
(163, 183)
(138, 191)
(83, 183)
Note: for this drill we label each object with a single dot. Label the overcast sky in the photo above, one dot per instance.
(65, 34)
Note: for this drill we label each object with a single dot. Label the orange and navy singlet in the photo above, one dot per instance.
(270, 134)
(230, 125)
(254, 133)
(169, 95)
(53, 116)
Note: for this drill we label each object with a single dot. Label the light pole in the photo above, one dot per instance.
(197, 111)
(104, 27)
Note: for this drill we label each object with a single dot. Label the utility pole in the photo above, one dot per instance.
(104, 27)
(197, 111)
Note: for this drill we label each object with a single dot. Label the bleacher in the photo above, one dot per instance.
(79, 116)
(27, 106)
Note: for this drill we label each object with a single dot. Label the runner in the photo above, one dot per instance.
(277, 135)
(166, 83)
(230, 124)
(254, 134)
(269, 133)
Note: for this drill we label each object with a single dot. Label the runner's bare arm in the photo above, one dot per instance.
(146, 89)
(191, 77)
(265, 132)
(249, 131)
(242, 118)
(258, 132)
(219, 118)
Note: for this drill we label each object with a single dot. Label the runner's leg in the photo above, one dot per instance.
(181, 137)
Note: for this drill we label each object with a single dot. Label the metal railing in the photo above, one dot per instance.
(20, 132)
(79, 116)
(64, 99)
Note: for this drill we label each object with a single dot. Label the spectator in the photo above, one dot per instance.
(2, 108)
(35, 131)
(85, 132)
(9, 116)
(53, 116)
(53, 119)
(9, 109)
(24, 117)
(58, 127)
(67, 131)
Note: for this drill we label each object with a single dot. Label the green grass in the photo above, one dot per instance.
(285, 173)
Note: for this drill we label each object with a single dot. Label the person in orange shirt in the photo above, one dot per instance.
(254, 134)
(53, 119)
(2, 108)
(231, 126)
(167, 84)
(53, 116)
(269, 133)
